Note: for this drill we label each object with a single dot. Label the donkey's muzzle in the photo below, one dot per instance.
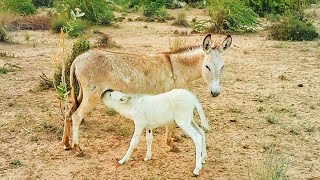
(214, 94)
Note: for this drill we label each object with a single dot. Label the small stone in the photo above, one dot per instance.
(245, 147)
(233, 120)
(300, 85)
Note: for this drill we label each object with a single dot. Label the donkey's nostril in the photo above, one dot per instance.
(215, 94)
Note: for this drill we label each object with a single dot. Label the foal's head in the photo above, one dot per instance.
(110, 97)
(212, 65)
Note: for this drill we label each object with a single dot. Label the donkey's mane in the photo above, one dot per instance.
(182, 49)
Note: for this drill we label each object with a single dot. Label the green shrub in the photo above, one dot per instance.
(79, 47)
(97, 11)
(173, 4)
(22, 7)
(58, 23)
(230, 15)
(75, 28)
(294, 29)
(41, 3)
(151, 8)
(264, 7)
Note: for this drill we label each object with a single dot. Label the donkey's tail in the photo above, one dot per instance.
(203, 120)
(73, 82)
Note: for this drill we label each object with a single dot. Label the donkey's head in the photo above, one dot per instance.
(212, 65)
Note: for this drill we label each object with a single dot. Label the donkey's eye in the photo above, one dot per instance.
(208, 68)
(222, 67)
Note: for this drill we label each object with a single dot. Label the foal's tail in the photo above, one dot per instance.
(203, 120)
(73, 79)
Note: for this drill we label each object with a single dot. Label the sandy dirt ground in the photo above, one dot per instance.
(261, 116)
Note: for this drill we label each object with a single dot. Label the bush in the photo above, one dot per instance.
(58, 23)
(173, 4)
(294, 29)
(22, 7)
(3, 35)
(97, 11)
(35, 22)
(75, 28)
(181, 20)
(79, 47)
(230, 15)
(264, 7)
(40, 3)
(151, 8)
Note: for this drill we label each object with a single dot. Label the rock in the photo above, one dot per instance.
(300, 85)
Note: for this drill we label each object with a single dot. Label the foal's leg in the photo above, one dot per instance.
(149, 138)
(204, 148)
(185, 124)
(133, 144)
(89, 101)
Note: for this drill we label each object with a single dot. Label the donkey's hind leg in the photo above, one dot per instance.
(67, 128)
(89, 101)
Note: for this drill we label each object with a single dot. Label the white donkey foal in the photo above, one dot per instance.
(149, 112)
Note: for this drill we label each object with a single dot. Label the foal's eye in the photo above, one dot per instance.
(222, 67)
(208, 68)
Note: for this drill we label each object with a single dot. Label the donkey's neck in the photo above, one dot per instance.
(187, 66)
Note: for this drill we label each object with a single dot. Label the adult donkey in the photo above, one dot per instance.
(97, 71)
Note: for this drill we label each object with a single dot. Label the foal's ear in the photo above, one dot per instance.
(125, 99)
(226, 43)
(207, 43)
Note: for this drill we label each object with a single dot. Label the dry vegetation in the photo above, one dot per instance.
(265, 122)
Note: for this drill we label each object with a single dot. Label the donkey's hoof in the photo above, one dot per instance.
(175, 149)
(80, 154)
(67, 148)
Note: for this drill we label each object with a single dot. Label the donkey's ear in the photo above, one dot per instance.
(207, 43)
(226, 43)
(125, 99)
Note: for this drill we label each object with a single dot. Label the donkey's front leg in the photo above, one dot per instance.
(133, 144)
(149, 138)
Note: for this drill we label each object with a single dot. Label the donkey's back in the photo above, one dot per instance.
(126, 72)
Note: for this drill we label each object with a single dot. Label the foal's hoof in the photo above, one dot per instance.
(121, 161)
(196, 172)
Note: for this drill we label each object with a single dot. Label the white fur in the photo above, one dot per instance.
(149, 112)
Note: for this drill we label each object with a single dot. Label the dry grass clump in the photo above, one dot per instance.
(181, 20)
(177, 44)
(104, 40)
(271, 168)
(36, 22)
(4, 37)
(6, 18)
